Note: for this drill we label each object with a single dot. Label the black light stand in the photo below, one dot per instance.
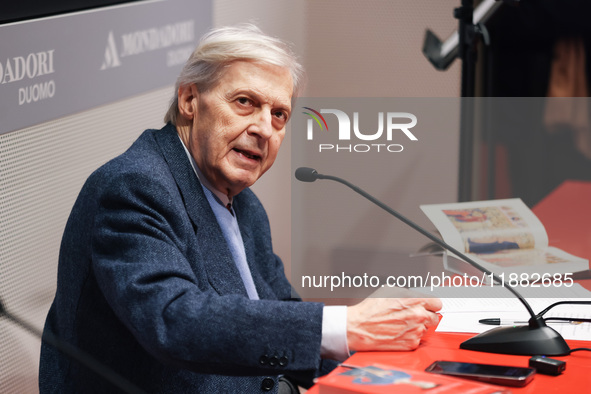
(468, 53)
(464, 44)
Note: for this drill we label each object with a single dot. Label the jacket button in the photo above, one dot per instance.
(283, 361)
(273, 361)
(264, 360)
(267, 384)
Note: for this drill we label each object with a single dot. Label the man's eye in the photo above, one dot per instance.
(280, 115)
(244, 101)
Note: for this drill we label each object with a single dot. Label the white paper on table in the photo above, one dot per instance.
(464, 307)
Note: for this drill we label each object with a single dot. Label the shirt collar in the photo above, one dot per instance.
(221, 197)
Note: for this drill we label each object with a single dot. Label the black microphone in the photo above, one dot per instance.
(76, 354)
(306, 174)
(536, 338)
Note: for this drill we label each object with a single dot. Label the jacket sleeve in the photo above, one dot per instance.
(140, 243)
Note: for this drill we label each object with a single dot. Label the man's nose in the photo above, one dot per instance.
(262, 125)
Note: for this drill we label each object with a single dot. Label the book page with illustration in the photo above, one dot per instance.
(503, 234)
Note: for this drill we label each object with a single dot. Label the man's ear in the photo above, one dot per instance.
(188, 97)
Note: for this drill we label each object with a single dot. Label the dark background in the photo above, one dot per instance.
(531, 162)
(19, 10)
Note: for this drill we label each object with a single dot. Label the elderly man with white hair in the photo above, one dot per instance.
(167, 274)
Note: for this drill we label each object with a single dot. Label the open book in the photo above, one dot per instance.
(504, 236)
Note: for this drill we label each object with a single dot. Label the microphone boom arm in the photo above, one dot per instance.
(427, 234)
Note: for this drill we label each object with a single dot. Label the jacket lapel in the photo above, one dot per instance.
(215, 254)
(263, 289)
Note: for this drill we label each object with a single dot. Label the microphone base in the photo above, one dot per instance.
(519, 340)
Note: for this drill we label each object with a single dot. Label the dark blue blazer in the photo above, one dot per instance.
(147, 285)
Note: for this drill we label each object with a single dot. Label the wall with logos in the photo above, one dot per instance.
(75, 91)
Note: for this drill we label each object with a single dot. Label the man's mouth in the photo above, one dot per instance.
(250, 155)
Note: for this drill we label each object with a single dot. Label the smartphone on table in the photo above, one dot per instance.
(495, 374)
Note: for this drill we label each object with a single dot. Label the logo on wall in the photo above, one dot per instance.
(42, 71)
(111, 56)
(33, 66)
(396, 124)
(174, 36)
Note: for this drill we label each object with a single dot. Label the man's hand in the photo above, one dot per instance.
(390, 323)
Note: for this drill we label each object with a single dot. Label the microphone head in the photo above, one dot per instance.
(306, 174)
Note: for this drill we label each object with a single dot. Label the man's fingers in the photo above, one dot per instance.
(423, 316)
(432, 304)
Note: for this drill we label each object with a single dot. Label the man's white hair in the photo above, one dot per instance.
(224, 45)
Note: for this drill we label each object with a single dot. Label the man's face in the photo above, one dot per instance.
(239, 124)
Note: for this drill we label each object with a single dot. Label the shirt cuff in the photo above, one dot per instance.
(334, 333)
